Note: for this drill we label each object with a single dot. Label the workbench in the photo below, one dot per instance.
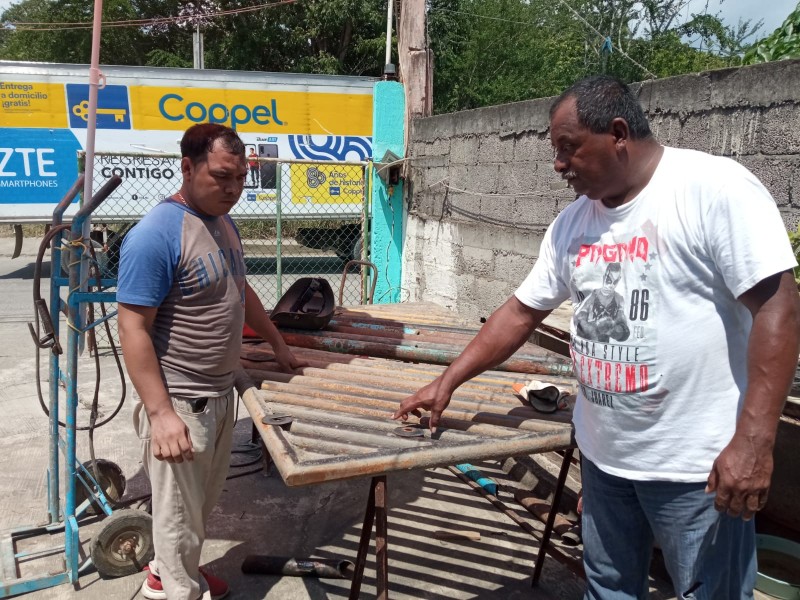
(331, 419)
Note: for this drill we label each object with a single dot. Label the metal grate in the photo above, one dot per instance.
(330, 419)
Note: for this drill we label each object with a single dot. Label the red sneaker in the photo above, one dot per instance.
(219, 589)
(152, 588)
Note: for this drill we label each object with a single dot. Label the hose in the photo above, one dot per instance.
(37, 275)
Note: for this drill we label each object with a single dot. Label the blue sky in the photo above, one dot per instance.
(772, 11)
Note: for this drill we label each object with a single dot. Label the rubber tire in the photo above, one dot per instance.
(358, 247)
(111, 480)
(121, 525)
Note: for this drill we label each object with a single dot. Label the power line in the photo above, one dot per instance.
(44, 26)
(620, 50)
(462, 12)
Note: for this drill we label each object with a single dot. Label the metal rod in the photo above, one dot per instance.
(520, 417)
(365, 236)
(547, 364)
(278, 231)
(544, 545)
(381, 538)
(95, 77)
(363, 544)
(382, 368)
(389, 16)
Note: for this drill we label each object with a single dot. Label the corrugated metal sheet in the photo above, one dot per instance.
(340, 405)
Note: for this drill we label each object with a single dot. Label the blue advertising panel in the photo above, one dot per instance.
(37, 165)
(113, 108)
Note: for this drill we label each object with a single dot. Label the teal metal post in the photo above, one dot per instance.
(388, 211)
(279, 233)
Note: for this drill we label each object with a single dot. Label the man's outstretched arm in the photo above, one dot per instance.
(504, 332)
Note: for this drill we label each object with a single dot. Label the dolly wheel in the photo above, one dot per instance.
(111, 481)
(124, 545)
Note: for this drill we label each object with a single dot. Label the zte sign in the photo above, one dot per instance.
(27, 162)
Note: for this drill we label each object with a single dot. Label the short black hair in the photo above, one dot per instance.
(600, 99)
(199, 139)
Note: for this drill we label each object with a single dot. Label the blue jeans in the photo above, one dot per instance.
(709, 555)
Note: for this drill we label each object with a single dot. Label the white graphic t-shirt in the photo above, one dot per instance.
(659, 340)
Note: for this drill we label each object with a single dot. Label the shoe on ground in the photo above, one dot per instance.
(153, 590)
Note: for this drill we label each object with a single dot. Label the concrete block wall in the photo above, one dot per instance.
(482, 189)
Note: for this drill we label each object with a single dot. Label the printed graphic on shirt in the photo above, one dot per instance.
(211, 268)
(211, 264)
(613, 343)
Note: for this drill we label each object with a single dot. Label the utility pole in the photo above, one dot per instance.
(416, 62)
(416, 59)
(197, 44)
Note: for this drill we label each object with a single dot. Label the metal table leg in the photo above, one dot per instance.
(376, 512)
(381, 539)
(551, 517)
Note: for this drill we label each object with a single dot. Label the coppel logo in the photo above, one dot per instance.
(174, 108)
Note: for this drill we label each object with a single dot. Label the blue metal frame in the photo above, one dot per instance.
(74, 471)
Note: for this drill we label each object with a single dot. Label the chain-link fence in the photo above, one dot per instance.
(296, 219)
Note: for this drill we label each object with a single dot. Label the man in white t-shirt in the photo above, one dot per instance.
(684, 343)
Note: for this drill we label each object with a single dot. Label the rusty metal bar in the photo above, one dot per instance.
(363, 544)
(385, 369)
(378, 370)
(550, 364)
(458, 431)
(359, 385)
(447, 450)
(544, 545)
(432, 342)
(381, 539)
(461, 408)
(422, 315)
(310, 443)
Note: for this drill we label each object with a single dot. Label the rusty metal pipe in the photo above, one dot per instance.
(542, 439)
(547, 364)
(455, 431)
(256, 564)
(363, 544)
(291, 335)
(379, 368)
(459, 410)
(381, 539)
(511, 409)
(355, 384)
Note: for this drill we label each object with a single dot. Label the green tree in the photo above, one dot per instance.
(485, 51)
(496, 51)
(784, 42)
(71, 43)
(321, 36)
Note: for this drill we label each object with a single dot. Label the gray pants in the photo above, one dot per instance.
(185, 493)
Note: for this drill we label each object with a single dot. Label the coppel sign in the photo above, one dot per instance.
(173, 107)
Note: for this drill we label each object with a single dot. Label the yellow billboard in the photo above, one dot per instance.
(251, 111)
(31, 104)
(327, 184)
